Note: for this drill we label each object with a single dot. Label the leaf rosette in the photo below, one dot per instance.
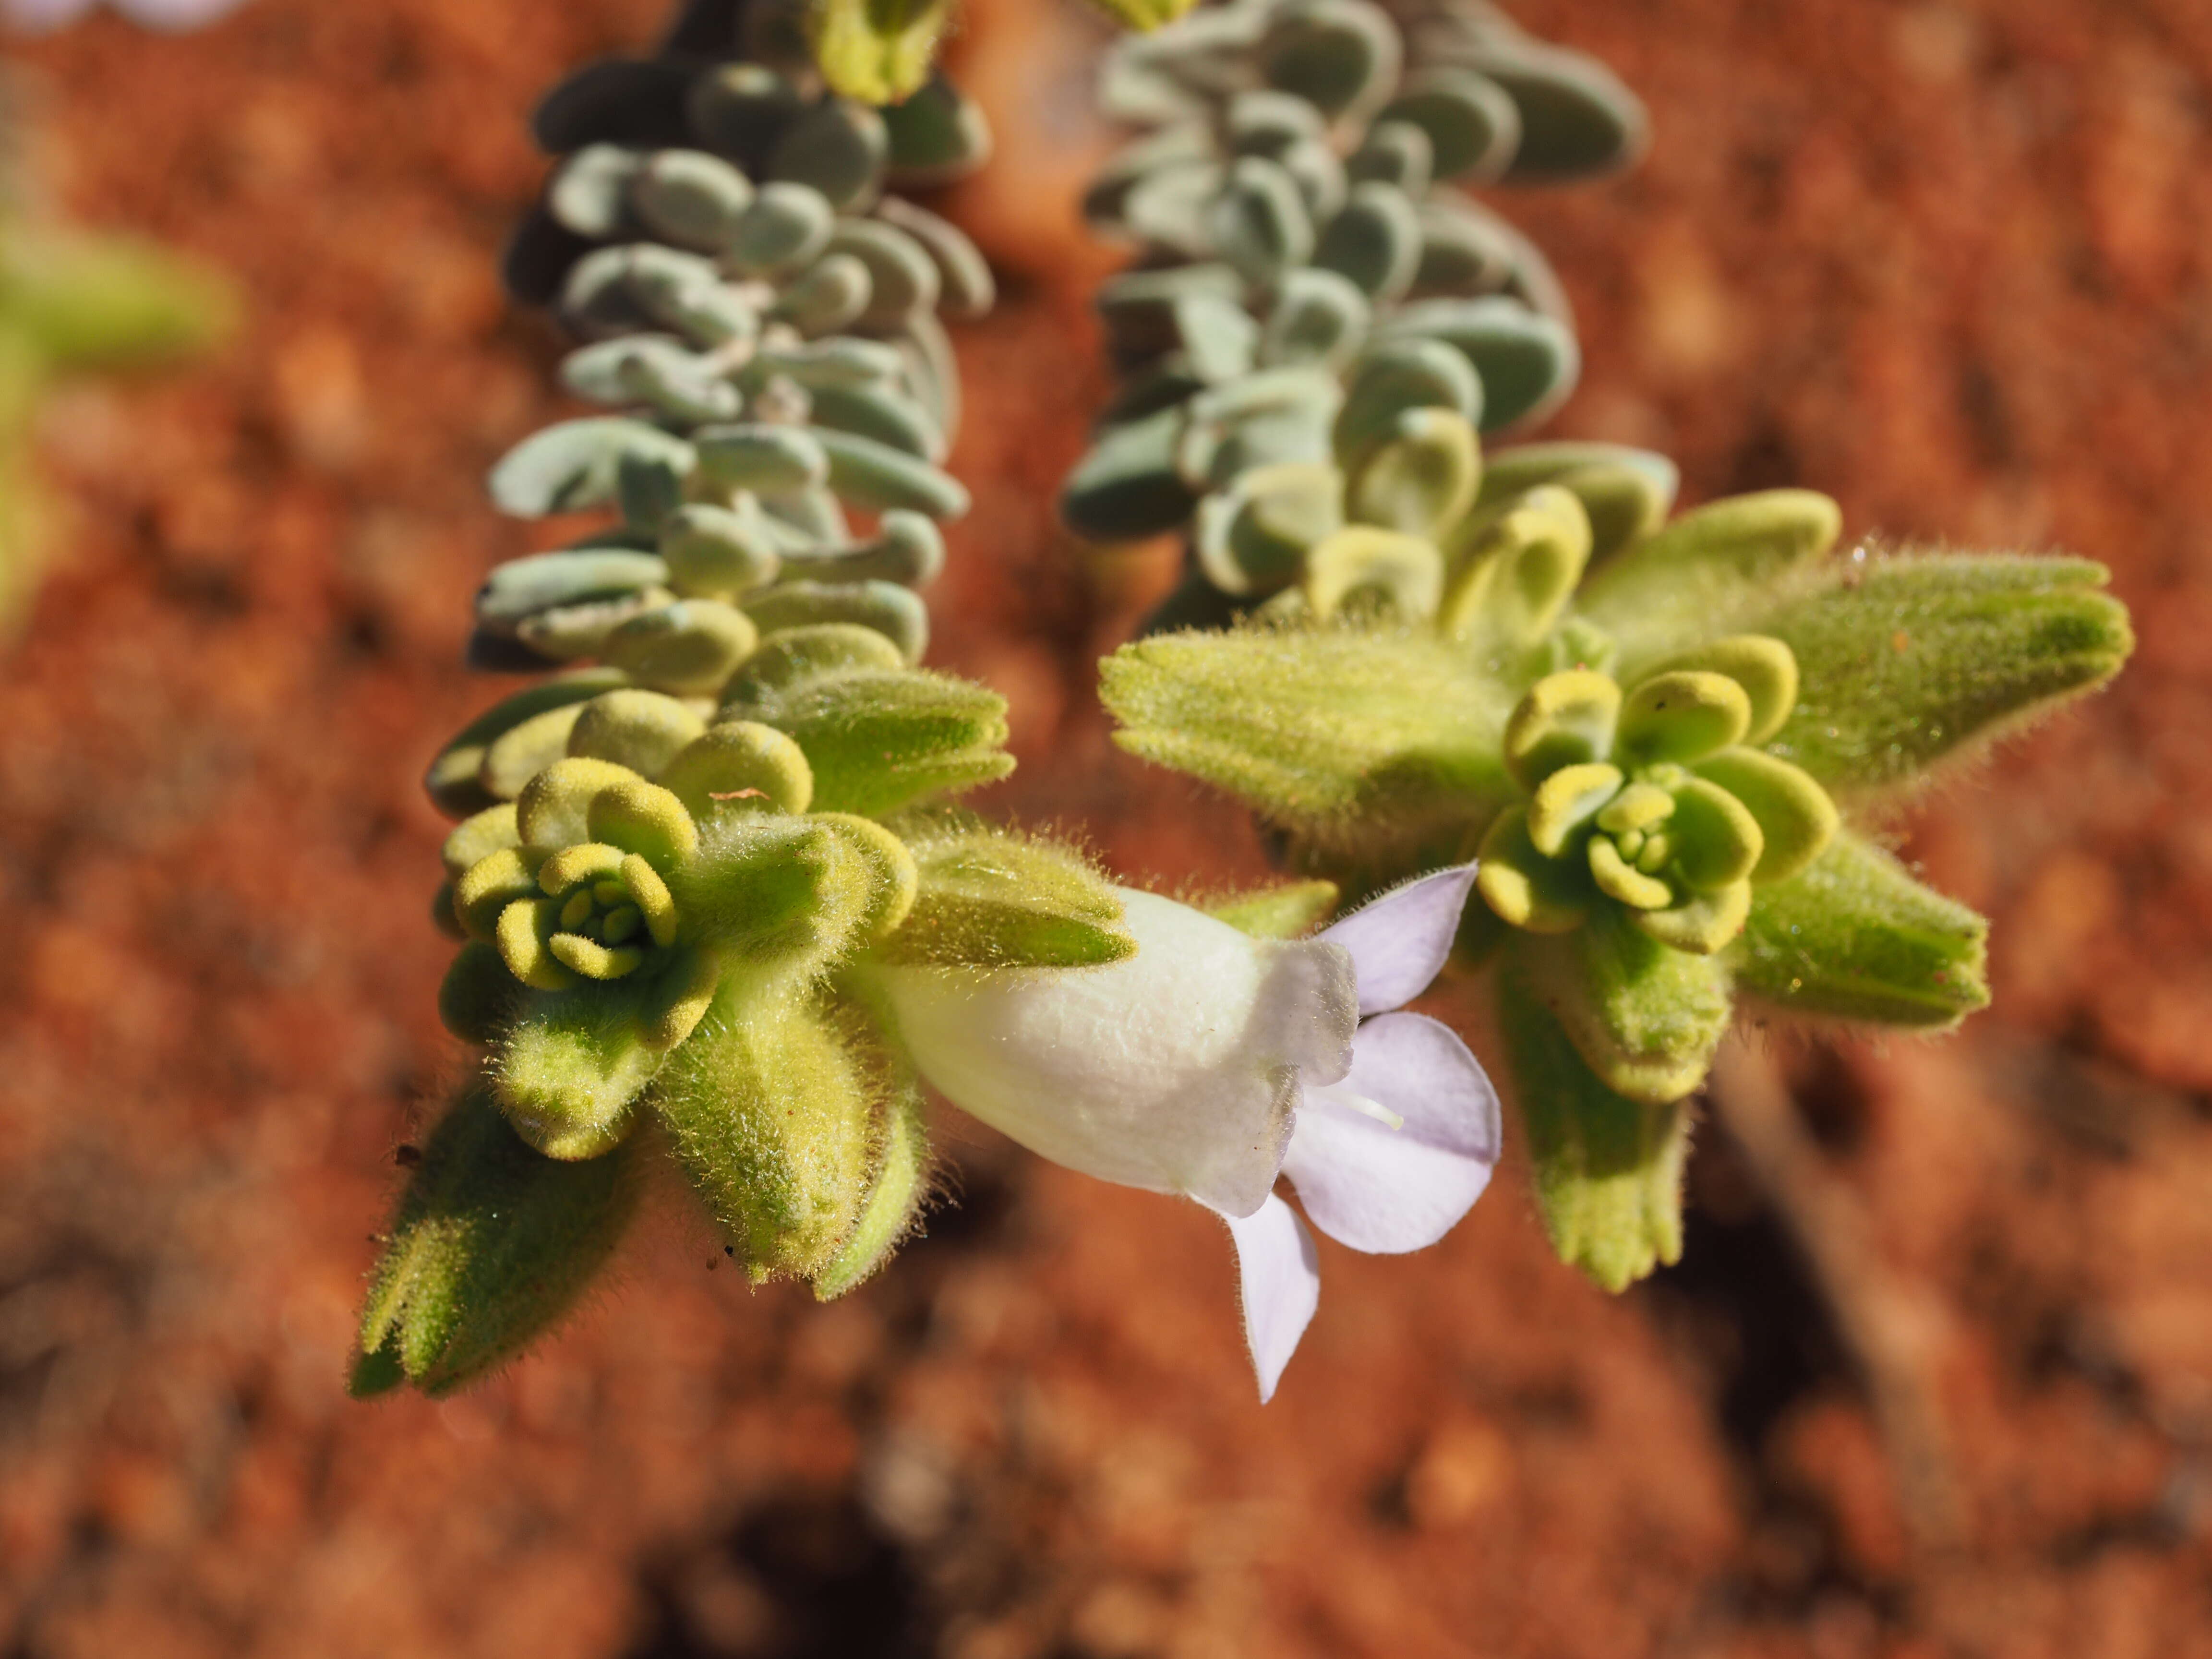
(1650, 734)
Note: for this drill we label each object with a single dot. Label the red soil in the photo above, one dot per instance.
(1947, 262)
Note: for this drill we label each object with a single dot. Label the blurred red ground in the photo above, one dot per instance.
(1948, 262)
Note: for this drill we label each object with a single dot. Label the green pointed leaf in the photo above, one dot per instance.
(988, 898)
(771, 1110)
(895, 1196)
(1608, 1169)
(1908, 661)
(1645, 1017)
(1855, 937)
(1291, 911)
(878, 741)
(492, 1244)
(893, 878)
(1354, 738)
(780, 896)
(572, 1064)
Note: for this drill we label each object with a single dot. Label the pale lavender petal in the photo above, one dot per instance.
(1281, 1275)
(1385, 1190)
(1399, 942)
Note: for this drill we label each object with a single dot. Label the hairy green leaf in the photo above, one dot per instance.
(1906, 661)
(491, 1245)
(1608, 1169)
(1855, 937)
(1352, 737)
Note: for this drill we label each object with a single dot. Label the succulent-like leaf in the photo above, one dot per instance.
(1625, 493)
(739, 765)
(1513, 569)
(570, 1066)
(894, 611)
(1794, 816)
(453, 778)
(575, 464)
(937, 136)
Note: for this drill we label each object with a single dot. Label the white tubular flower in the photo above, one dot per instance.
(1176, 1070)
(1210, 1063)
